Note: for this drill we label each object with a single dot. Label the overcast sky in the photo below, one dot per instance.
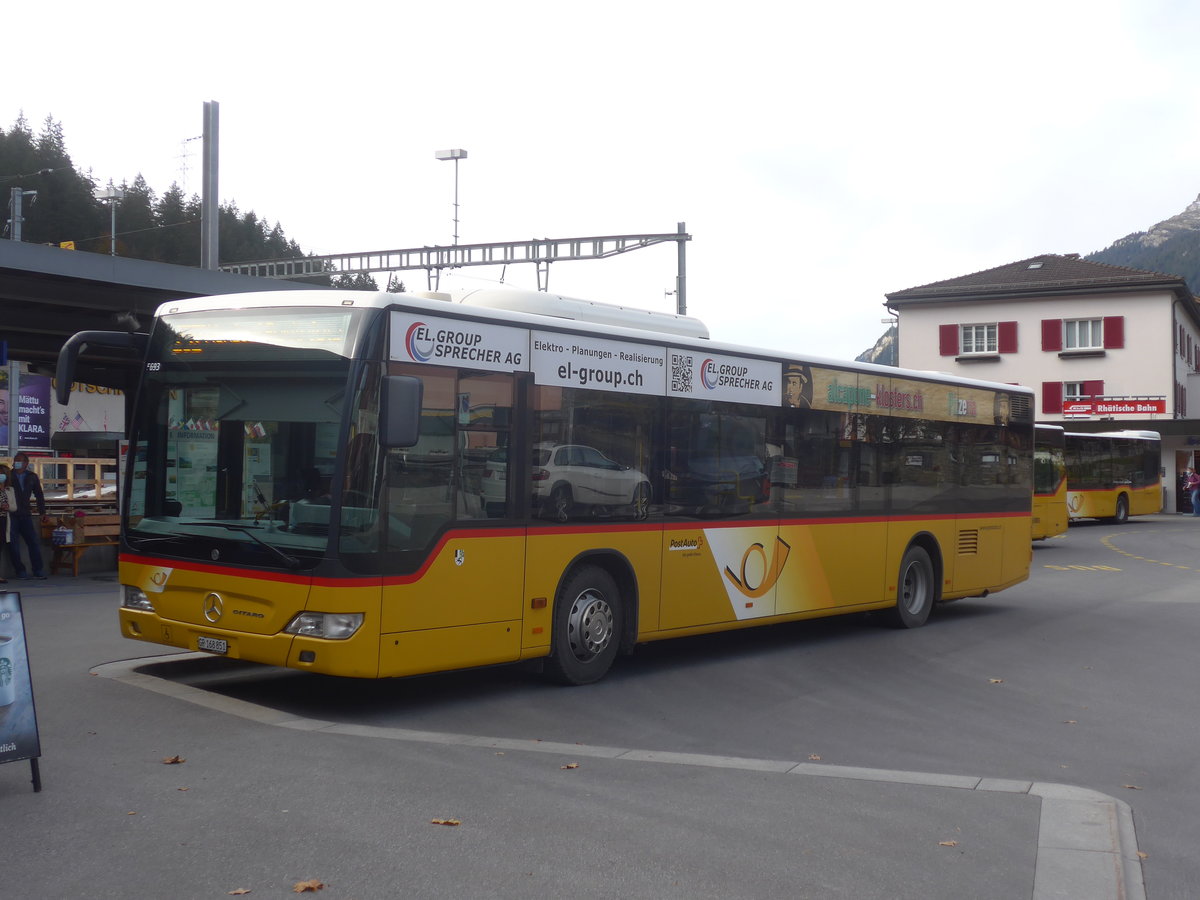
(820, 154)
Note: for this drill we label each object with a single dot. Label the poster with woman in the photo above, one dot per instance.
(18, 722)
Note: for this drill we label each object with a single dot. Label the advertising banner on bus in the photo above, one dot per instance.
(811, 387)
(570, 360)
(709, 376)
(454, 342)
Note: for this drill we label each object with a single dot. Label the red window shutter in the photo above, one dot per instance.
(1051, 334)
(1006, 334)
(1093, 389)
(948, 340)
(1114, 332)
(1052, 396)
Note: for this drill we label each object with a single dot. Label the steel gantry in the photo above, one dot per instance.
(540, 251)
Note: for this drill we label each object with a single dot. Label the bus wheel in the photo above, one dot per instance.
(1121, 516)
(914, 590)
(560, 503)
(587, 627)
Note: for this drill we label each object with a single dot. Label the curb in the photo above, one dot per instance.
(1087, 845)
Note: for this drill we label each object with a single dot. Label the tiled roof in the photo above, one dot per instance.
(1050, 272)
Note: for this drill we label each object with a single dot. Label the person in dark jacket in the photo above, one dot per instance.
(27, 488)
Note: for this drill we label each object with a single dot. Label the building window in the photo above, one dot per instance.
(983, 342)
(1086, 336)
(979, 339)
(1070, 398)
(1083, 334)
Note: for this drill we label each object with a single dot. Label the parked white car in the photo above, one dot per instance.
(569, 476)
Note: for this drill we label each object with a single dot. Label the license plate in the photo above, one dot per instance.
(212, 645)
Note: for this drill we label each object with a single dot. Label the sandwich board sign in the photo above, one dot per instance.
(18, 720)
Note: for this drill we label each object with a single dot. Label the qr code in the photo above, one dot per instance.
(681, 373)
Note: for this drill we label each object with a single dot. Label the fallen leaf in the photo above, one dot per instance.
(815, 757)
(237, 892)
(304, 887)
(1132, 787)
(1142, 855)
(445, 821)
(183, 789)
(1070, 722)
(173, 760)
(996, 680)
(947, 843)
(131, 813)
(570, 766)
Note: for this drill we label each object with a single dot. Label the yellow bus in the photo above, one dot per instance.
(377, 485)
(1049, 482)
(1113, 475)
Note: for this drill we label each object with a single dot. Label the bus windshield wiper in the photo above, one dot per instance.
(153, 539)
(288, 560)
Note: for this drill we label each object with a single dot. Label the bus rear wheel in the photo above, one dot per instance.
(1121, 516)
(587, 627)
(915, 590)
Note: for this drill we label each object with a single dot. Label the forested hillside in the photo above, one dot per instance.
(163, 228)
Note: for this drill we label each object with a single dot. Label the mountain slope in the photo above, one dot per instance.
(1171, 247)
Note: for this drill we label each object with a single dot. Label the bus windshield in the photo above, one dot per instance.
(237, 433)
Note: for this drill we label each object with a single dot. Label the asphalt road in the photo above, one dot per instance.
(1082, 677)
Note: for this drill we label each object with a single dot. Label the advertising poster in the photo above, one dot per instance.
(18, 724)
(33, 413)
(3, 408)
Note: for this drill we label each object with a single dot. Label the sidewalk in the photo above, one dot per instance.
(266, 799)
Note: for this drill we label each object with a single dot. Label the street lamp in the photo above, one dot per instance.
(113, 195)
(455, 155)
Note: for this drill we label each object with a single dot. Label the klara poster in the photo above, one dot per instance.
(33, 412)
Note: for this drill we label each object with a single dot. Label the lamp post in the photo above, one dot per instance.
(113, 195)
(455, 155)
(16, 196)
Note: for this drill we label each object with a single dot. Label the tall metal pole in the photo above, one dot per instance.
(681, 278)
(456, 201)
(14, 208)
(209, 204)
(455, 155)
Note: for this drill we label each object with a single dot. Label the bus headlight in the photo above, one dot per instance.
(135, 598)
(332, 626)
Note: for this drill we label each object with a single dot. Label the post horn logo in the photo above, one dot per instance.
(771, 570)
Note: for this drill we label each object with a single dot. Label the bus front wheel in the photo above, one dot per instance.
(587, 627)
(915, 590)
(1121, 516)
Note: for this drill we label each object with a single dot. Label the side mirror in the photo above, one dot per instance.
(134, 342)
(401, 401)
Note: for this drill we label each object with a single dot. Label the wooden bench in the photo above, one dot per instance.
(90, 531)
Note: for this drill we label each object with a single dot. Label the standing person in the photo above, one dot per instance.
(27, 487)
(1193, 488)
(8, 505)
